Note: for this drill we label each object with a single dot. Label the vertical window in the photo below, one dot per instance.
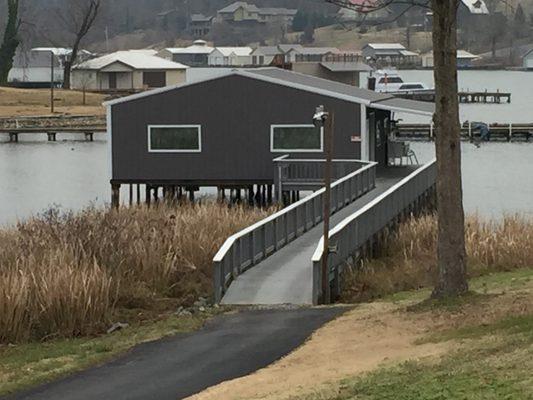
(174, 139)
(296, 138)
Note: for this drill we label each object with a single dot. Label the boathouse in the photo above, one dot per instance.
(225, 131)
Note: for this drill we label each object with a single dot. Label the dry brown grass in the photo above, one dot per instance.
(34, 102)
(64, 275)
(408, 257)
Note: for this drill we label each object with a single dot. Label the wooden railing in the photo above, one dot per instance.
(351, 236)
(250, 246)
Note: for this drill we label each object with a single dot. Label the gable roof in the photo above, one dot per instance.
(136, 59)
(316, 50)
(238, 4)
(238, 51)
(198, 47)
(386, 46)
(306, 83)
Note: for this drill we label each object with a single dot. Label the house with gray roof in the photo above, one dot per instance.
(241, 11)
(225, 130)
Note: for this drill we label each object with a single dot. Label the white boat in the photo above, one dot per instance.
(389, 81)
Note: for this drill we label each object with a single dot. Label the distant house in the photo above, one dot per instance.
(127, 70)
(368, 10)
(226, 130)
(347, 72)
(310, 53)
(200, 25)
(34, 68)
(196, 55)
(231, 56)
(464, 59)
(241, 11)
(527, 59)
(390, 53)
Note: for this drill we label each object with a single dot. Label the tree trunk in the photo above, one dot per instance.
(66, 74)
(10, 41)
(452, 279)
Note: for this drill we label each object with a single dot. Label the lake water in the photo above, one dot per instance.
(498, 177)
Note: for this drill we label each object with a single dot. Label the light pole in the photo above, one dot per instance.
(324, 119)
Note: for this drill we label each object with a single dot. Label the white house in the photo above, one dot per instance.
(527, 59)
(127, 70)
(193, 56)
(233, 56)
(34, 68)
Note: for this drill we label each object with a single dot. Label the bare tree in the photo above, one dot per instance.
(78, 18)
(452, 279)
(11, 40)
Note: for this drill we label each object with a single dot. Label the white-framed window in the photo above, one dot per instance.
(296, 138)
(174, 138)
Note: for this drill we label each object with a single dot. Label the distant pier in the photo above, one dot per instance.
(497, 132)
(84, 126)
(482, 97)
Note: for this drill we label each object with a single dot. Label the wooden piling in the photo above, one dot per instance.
(115, 195)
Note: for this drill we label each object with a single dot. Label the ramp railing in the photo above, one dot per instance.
(250, 246)
(349, 237)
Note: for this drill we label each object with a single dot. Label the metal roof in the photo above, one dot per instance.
(238, 51)
(405, 105)
(307, 83)
(386, 46)
(136, 59)
(341, 66)
(238, 4)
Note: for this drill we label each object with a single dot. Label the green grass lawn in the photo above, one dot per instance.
(491, 361)
(26, 365)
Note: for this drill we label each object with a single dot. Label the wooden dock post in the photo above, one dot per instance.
(89, 136)
(131, 195)
(115, 195)
(51, 136)
(138, 194)
(13, 137)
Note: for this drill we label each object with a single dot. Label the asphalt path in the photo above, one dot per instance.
(229, 346)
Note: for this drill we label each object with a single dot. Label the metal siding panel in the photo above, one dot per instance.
(235, 113)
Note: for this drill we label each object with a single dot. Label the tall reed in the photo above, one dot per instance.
(64, 274)
(407, 259)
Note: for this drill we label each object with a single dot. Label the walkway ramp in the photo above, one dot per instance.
(286, 277)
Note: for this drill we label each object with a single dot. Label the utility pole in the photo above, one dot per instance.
(52, 82)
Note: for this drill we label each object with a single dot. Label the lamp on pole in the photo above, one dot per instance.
(325, 120)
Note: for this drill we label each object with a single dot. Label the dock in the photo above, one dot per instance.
(481, 97)
(84, 126)
(85, 132)
(522, 132)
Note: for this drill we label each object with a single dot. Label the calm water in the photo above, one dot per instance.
(498, 178)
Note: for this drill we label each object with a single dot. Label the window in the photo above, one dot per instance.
(174, 139)
(296, 138)
(391, 79)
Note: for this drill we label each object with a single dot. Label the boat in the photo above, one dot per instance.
(389, 81)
